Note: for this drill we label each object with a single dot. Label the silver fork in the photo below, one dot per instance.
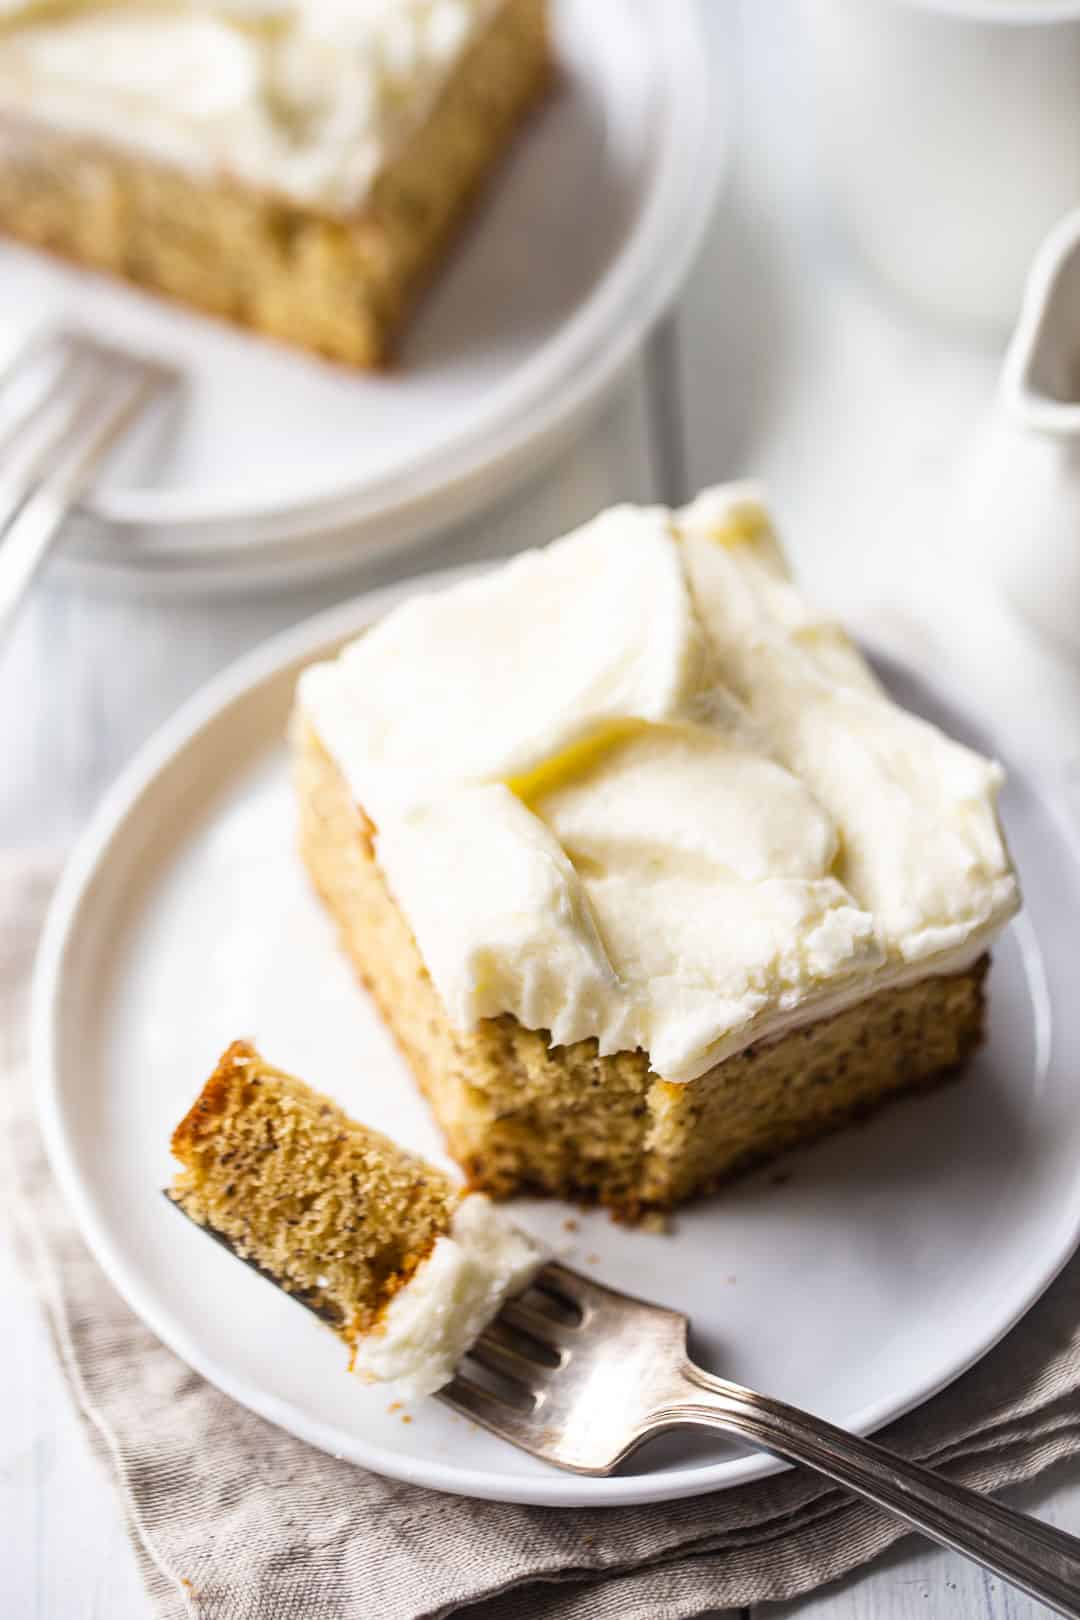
(65, 401)
(580, 1376)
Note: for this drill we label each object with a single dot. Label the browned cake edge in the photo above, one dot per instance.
(339, 287)
(522, 1117)
(212, 1100)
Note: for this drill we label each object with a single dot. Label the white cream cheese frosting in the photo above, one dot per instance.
(305, 99)
(632, 787)
(449, 1300)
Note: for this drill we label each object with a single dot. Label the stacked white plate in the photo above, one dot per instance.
(278, 466)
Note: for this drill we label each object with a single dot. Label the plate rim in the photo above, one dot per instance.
(72, 901)
(574, 369)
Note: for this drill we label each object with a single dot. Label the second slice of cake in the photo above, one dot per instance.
(296, 166)
(645, 870)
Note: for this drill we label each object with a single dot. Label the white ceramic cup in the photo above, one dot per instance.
(950, 131)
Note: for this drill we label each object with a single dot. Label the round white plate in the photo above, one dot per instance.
(857, 1281)
(276, 458)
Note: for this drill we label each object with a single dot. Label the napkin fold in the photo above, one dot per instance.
(231, 1519)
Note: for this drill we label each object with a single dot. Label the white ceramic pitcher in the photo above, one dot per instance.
(1023, 497)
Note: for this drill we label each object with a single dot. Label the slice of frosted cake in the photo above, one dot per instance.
(647, 873)
(405, 1265)
(297, 166)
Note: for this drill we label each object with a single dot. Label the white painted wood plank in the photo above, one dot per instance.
(921, 1582)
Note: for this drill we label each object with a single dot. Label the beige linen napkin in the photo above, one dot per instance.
(233, 1520)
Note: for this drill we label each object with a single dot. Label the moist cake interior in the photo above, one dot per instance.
(332, 1211)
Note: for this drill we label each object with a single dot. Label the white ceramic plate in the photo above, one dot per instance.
(884, 1263)
(279, 459)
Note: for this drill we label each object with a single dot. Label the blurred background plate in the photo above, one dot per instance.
(281, 466)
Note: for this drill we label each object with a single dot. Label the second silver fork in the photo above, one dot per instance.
(70, 399)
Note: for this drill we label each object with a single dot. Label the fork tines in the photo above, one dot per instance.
(531, 1338)
(65, 400)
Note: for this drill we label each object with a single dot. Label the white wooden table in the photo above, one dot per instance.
(791, 368)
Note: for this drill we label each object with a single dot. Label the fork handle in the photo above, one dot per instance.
(1036, 1557)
